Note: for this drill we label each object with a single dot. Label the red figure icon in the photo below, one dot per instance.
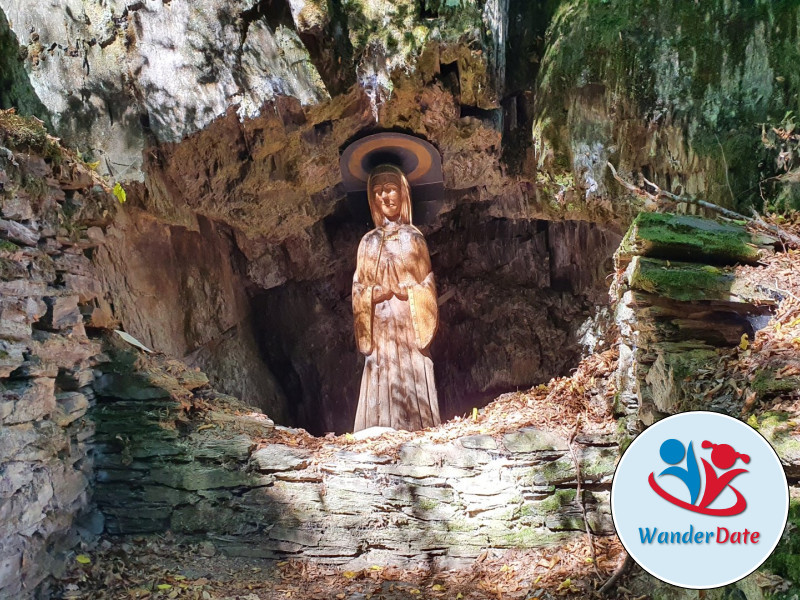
(724, 457)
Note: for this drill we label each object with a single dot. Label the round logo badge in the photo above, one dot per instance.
(699, 500)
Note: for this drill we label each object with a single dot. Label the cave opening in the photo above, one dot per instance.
(513, 295)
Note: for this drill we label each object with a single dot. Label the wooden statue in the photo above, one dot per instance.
(395, 310)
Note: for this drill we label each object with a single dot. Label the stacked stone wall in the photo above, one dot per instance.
(175, 456)
(51, 215)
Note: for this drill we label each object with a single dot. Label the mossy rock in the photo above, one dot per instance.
(670, 371)
(679, 280)
(27, 134)
(767, 385)
(687, 282)
(778, 427)
(716, 67)
(687, 238)
(785, 559)
(558, 500)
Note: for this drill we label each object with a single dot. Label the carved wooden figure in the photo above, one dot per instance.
(395, 310)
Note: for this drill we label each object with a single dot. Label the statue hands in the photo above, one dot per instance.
(381, 294)
(401, 292)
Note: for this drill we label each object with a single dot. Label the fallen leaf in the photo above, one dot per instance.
(83, 559)
(119, 192)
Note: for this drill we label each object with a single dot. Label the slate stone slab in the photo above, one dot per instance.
(196, 477)
(531, 439)
(32, 399)
(479, 442)
(277, 457)
(204, 444)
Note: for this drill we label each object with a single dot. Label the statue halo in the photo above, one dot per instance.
(418, 160)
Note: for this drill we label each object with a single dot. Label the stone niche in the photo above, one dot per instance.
(272, 325)
(513, 294)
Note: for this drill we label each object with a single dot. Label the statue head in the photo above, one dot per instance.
(389, 195)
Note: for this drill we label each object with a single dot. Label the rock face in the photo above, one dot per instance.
(236, 249)
(670, 92)
(183, 292)
(50, 216)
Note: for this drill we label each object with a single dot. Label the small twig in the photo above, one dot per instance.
(617, 574)
(787, 292)
(690, 200)
(629, 186)
(782, 233)
(579, 497)
(660, 194)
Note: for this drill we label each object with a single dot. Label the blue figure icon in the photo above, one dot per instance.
(672, 452)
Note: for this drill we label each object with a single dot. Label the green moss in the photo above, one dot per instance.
(8, 246)
(27, 134)
(527, 537)
(681, 237)
(765, 384)
(681, 281)
(685, 364)
(624, 443)
(15, 86)
(426, 504)
(785, 559)
(556, 501)
(525, 510)
(555, 471)
(604, 465)
(460, 525)
(717, 68)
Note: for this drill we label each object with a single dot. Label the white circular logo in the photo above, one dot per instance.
(699, 500)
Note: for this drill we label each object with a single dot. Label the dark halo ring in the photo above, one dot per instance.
(418, 159)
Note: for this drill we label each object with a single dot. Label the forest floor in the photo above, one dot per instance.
(160, 567)
(164, 567)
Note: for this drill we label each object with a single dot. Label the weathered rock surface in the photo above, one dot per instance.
(667, 92)
(46, 358)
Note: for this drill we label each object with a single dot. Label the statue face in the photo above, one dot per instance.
(387, 196)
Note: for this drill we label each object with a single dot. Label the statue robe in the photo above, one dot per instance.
(397, 387)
